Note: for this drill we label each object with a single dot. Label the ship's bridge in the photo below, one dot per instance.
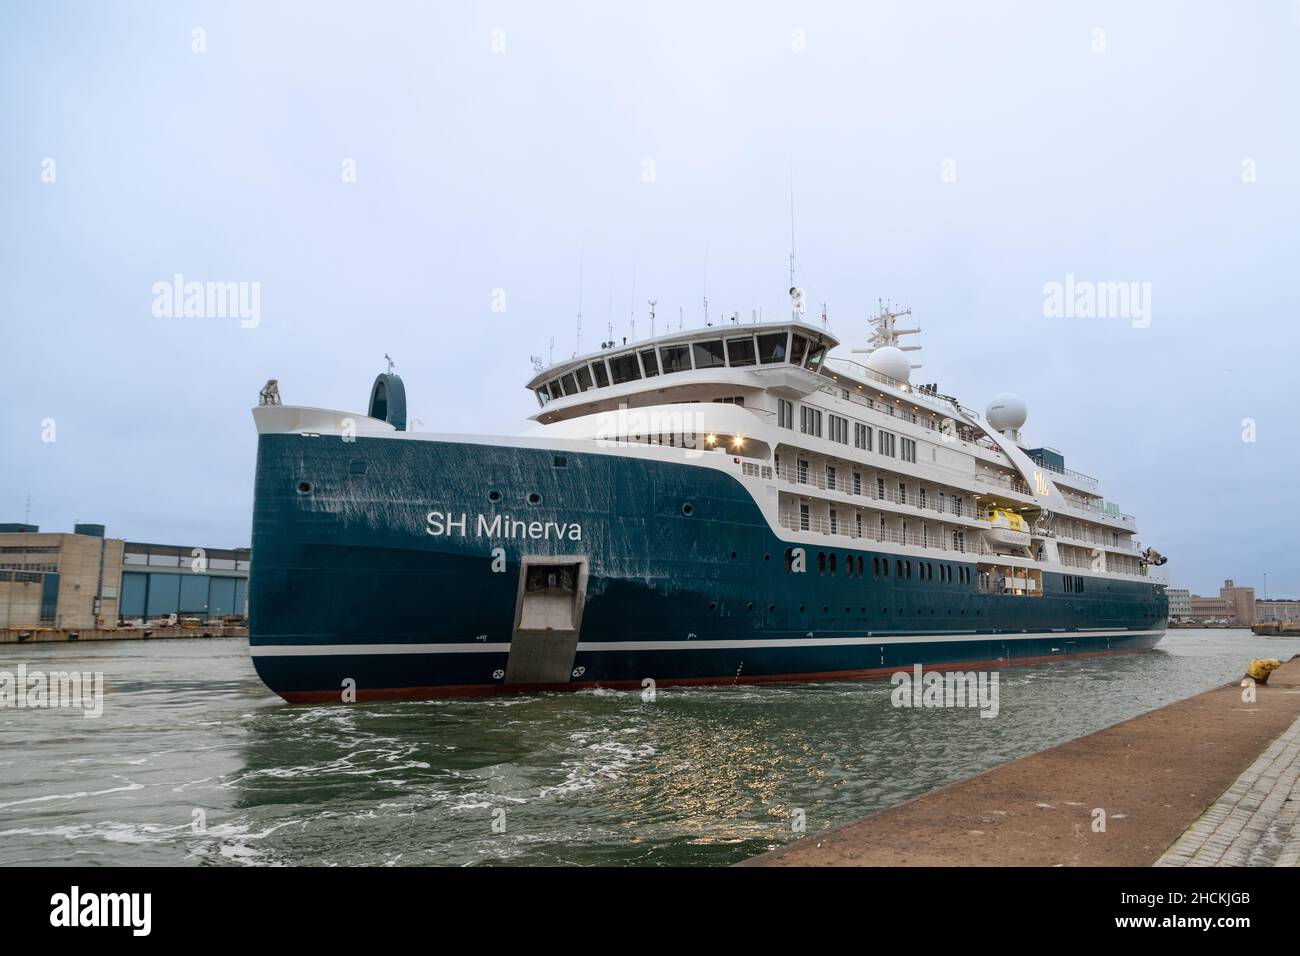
(720, 363)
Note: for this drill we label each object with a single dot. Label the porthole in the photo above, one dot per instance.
(733, 556)
(688, 509)
(534, 498)
(767, 557)
(494, 496)
(304, 487)
(771, 608)
(713, 605)
(749, 606)
(802, 608)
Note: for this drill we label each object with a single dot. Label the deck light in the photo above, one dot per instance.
(738, 441)
(710, 439)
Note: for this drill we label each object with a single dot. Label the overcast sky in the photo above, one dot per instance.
(953, 157)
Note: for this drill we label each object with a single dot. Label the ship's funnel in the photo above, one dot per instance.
(388, 400)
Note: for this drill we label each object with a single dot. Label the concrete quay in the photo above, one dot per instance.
(1206, 781)
(30, 635)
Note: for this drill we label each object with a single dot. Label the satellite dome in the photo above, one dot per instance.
(888, 360)
(1006, 411)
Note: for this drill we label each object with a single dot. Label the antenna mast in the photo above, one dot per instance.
(885, 333)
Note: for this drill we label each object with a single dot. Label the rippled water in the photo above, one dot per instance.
(700, 776)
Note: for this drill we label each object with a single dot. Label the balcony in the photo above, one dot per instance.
(868, 489)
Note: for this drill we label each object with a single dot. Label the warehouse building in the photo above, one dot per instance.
(85, 580)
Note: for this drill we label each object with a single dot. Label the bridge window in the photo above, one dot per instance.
(624, 368)
(602, 376)
(675, 358)
(650, 363)
(543, 396)
(771, 347)
(570, 384)
(815, 356)
(798, 350)
(740, 352)
(584, 377)
(708, 354)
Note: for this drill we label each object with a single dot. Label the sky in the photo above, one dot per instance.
(450, 184)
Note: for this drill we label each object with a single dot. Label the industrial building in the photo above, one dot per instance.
(85, 580)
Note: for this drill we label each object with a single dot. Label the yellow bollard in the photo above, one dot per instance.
(1261, 667)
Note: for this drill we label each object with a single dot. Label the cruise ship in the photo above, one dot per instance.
(731, 504)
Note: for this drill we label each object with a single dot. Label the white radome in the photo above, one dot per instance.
(890, 361)
(1006, 411)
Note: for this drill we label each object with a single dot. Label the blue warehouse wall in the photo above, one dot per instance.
(154, 593)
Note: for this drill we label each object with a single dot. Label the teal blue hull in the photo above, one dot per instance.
(348, 585)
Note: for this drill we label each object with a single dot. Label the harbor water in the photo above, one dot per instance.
(194, 762)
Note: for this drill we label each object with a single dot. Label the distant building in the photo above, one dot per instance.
(1287, 609)
(1236, 605)
(58, 579)
(162, 579)
(1180, 602)
(84, 580)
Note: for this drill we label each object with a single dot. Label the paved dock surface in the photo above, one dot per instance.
(1223, 767)
(1256, 822)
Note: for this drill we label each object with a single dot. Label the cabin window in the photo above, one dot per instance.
(886, 444)
(815, 357)
(839, 429)
(602, 376)
(650, 363)
(771, 347)
(583, 375)
(909, 450)
(835, 527)
(803, 518)
(624, 368)
(570, 384)
(784, 413)
(857, 484)
(675, 358)
(740, 352)
(543, 396)
(708, 354)
(798, 350)
(810, 421)
(861, 436)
